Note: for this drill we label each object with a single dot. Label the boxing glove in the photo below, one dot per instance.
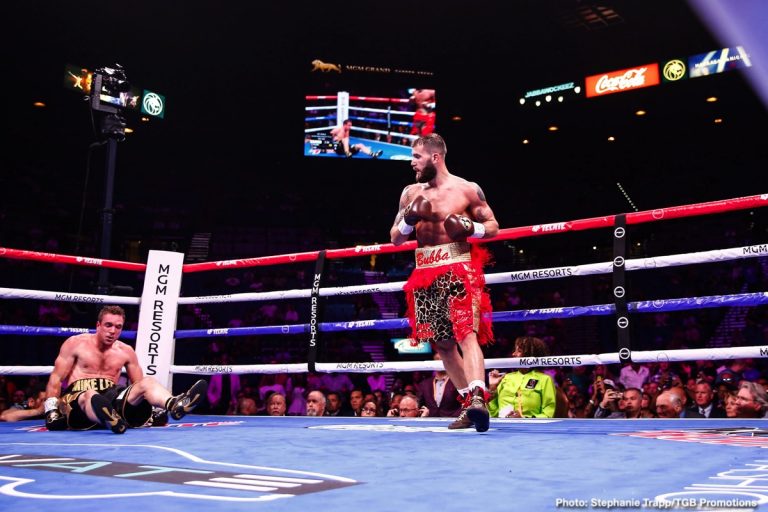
(420, 208)
(459, 227)
(54, 420)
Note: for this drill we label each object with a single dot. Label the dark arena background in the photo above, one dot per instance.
(175, 158)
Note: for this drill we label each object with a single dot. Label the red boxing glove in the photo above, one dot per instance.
(459, 227)
(419, 209)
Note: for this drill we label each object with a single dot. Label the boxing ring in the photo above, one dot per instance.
(384, 464)
(295, 463)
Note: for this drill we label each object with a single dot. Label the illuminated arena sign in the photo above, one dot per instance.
(551, 94)
(718, 61)
(622, 80)
(674, 70)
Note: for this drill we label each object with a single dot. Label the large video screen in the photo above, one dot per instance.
(366, 112)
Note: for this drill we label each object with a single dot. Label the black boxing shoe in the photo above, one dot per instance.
(180, 405)
(108, 415)
(477, 411)
(377, 154)
(462, 421)
(159, 418)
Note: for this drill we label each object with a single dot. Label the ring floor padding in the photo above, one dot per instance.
(281, 464)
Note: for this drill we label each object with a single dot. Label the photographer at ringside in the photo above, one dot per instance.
(611, 406)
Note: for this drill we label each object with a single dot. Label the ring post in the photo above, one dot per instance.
(619, 286)
(315, 312)
(159, 306)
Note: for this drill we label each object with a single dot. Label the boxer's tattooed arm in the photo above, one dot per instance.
(480, 193)
(403, 206)
(481, 211)
(482, 214)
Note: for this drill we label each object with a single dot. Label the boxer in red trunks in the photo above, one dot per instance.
(448, 304)
(424, 117)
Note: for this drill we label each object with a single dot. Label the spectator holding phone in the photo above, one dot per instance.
(611, 405)
(629, 404)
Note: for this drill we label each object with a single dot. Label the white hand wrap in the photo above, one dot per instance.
(479, 230)
(51, 404)
(404, 228)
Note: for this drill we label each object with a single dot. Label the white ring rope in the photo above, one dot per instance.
(385, 132)
(648, 356)
(713, 256)
(19, 293)
(383, 111)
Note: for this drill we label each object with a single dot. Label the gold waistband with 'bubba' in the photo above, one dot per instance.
(445, 254)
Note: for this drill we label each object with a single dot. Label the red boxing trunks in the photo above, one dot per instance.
(446, 294)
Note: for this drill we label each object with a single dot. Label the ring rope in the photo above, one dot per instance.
(321, 118)
(674, 212)
(18, 254)
(687, 303)
(380, 111)
(639, 356)
(379, 99)
(712, 256)
(19, 293)
(644, 306)
(388, 132)
(359, 98)
(33, 330)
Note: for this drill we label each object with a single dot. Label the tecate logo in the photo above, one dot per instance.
(557, 226)
(367, 248)
(93, 261)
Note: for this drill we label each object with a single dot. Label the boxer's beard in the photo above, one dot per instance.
(425, 176)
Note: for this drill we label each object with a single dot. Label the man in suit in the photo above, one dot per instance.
(685, 411)
(671, 404)
(439, 394)
(704, 401)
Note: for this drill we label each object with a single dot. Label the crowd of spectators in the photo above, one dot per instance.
(696, 389)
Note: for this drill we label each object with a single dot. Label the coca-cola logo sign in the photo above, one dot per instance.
(622, 80)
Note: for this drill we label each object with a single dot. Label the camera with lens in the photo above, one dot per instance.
(111, 91)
